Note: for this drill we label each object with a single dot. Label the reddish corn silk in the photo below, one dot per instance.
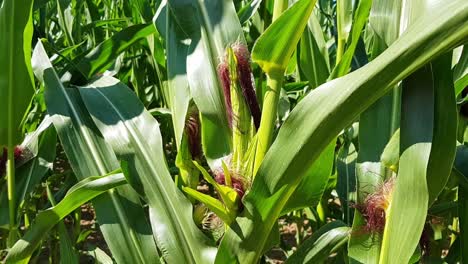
(244, 73)
(192, 128)
(237, 183)
(374, 207)
(4, 158)
(223, 73)
(246, 81)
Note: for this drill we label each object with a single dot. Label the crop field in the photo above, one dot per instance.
(234, 131)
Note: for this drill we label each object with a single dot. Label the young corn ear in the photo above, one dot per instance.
(241, 102)
(244, 78)
(190, 149)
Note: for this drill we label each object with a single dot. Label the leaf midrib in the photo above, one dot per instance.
(163, 191)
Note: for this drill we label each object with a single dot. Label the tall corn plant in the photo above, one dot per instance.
(263, 167)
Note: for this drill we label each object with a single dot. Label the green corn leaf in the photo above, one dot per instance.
(89, 155)
(16, 79)
(310, 189)
(135, 138)
(323, 242)
(314, 123)
(80, 194)
(445, 128)
(277, 44)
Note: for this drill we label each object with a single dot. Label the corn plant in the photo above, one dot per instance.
(195, 131)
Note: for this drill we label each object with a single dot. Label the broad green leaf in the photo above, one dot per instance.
(103, 56)
(323, 113)
(444, 140)
(310, 189)
(323, 242)
(135, 138)
(16, 80)
(276, 45)
(410, 195)
(121, 217)
(81, 193)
